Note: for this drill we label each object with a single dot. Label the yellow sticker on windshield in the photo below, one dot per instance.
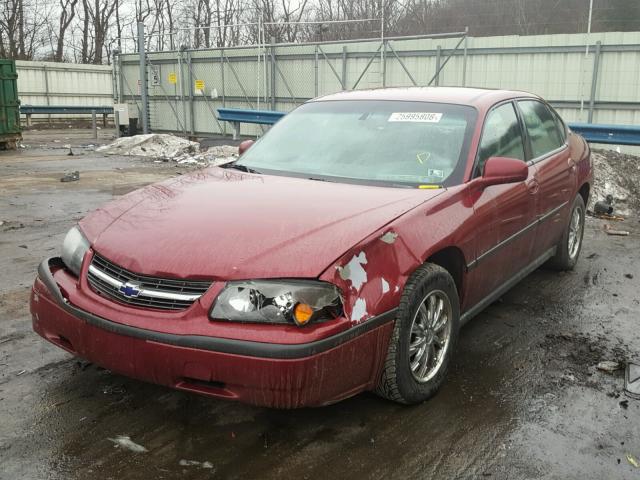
(425, 117)
(428, 187)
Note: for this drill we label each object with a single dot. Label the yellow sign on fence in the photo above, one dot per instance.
(173, 78)
(199, 85)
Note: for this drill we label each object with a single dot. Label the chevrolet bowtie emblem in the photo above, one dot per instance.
(130, 290)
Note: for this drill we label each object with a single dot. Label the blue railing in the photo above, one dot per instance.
(62, 109)
(592, 133)
(609, 134)
(236, 116)
(264, 117)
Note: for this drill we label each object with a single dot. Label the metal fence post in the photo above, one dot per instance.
(344, 67)
(438, 56)
(175, 91)
(383, 56)
(120, 80)
(94, 125)
(272, 73)
(116, 120)
(224, 98)
(182, 100)
(464, 57)
(192, 117)
(46, 89)
(143, 79)
(114, 78)
(315, 80)
(594, 80)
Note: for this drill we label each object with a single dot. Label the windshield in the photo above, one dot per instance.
(411, 144)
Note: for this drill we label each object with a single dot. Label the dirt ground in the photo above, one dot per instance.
(523, 398)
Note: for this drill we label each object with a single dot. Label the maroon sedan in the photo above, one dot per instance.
(342, 252)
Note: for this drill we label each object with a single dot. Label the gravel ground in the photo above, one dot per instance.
(524, 398)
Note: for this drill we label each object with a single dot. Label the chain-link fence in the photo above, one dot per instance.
(185, 88)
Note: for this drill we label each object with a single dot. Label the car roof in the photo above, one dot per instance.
(478, 97)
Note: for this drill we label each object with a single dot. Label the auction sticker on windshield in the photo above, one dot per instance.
(415, 117)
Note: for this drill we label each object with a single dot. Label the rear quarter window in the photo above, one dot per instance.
(542, 127)
(562, 127)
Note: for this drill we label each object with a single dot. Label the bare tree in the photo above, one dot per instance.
(87, 30)
(22, 29)
(67, 14)
(226, 13)
(85, 42)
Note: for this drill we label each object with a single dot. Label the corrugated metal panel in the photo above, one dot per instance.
(50, 83)
(552, 66)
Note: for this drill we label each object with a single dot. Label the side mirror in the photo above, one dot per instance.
(502, 170)
(244, 146)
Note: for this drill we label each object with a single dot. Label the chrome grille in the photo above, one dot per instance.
(110, 280)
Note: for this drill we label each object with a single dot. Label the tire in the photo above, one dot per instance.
(398, 381)
(567, 253)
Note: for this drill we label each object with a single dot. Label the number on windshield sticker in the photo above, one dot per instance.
(415, 117)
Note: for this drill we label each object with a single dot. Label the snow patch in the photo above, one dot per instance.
(157, 145)
(169, 147)
(195, 463)
(212, 156)
(125, 442)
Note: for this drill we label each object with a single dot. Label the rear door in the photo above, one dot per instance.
(555, 170)
(506, 214)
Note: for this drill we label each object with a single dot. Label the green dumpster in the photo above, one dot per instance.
(10, 132)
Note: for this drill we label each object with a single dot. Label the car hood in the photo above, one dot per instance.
(223, 224)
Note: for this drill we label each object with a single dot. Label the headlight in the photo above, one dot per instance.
(278, 301)
(73, 250)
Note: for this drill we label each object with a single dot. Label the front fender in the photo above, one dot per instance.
(372, 274)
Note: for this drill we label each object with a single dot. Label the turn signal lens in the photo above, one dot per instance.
(302, 313)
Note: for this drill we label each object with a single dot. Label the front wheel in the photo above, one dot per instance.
(568, 249)
(423, 337)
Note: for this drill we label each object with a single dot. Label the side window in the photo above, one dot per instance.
(541, 126)
(501, 136)
(562, 128)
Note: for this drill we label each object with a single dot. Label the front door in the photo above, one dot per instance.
(507, 213)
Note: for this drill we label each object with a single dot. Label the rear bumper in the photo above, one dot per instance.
(267, 374)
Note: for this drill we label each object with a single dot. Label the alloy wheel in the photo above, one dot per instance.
(429, 336)
(575, 232)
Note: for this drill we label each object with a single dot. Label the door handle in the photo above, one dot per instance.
(572, 164)
(533, 186)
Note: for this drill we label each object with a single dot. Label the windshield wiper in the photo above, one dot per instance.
(242, 168)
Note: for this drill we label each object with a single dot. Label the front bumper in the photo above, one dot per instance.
(267, 374)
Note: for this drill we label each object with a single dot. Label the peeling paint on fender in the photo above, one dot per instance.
(354, 272)
(387, 268)
(389, 237)
(359, 310)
